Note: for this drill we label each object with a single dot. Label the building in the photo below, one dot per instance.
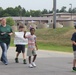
(61, 18)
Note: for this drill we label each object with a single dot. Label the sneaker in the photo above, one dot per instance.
(16, 60)
(74, 68)
(24, 61)
(6, 63)
(33, 63)
(30, 66)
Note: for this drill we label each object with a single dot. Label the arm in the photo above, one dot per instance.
(73, 39)
(36, 44)
(11, 32)
(73, 42)
(24, 34)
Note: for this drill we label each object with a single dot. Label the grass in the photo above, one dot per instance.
(54, 39)
(57, 36)
(48, 46)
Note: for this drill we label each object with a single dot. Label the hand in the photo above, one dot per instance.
(10, 34)
(3, 33)
(24, 34)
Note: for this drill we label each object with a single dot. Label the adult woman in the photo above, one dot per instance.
(5, 33)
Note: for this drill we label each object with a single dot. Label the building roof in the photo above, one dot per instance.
(40, 18)
(59, 14)
(30, 18)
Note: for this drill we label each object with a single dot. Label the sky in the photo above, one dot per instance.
(36, 4)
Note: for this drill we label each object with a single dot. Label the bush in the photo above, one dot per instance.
(10, 21)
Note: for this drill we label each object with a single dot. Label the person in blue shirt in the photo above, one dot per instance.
(74, 49)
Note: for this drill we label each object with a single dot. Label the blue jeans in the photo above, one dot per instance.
(4, 47)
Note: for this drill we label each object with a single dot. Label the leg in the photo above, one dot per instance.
(4, 53)
(8, 45)
(74, 63)
(17, 55)
(23, 51)
(24, 60)
(34, 58)
(16, 59)
(18, 50)
(29, 59)
(30, 65)
(2, 50)
(23, 55)
(34, 55)
(29, 54)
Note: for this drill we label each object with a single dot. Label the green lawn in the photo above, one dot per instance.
(54, 47)
(54, 39)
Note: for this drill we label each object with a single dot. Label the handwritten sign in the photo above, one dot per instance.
(19, 39)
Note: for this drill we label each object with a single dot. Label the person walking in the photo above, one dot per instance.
(74, 49)
(31, 51)
(5, 33)
(20, 48)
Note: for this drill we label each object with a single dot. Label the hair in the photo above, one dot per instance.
(32, 29)
(21, 26)
(3, 19)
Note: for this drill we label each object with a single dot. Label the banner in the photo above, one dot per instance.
(19, 39)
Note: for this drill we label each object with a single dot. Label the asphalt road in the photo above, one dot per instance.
(48, 63)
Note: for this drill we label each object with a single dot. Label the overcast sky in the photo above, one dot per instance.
(36, 4)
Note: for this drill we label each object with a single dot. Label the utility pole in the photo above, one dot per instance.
(54, 14)
(21, 14)
(71, 10)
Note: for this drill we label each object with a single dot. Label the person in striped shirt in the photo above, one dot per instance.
(32, 47)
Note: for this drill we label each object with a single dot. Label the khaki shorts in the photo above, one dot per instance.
(31, 52)
(74, 54)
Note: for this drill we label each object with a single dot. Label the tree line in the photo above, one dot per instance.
(20, 11)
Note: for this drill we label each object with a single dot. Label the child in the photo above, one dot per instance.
(74, 49)
(31, 47)
(20, 48)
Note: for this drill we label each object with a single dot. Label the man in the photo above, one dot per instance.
(74, 49)
(5, 33)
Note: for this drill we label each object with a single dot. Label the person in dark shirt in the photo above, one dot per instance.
(74, 49)
(5, 33)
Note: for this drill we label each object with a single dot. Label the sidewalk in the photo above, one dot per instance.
(48, 63)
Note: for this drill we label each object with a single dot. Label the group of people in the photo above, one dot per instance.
(5, 38)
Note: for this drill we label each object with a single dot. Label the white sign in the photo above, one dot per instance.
(19, 39)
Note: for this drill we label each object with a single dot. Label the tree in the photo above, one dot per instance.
(23, 12)
(45, 11)
(35, 13)
(10, 21)
(27, 14)
(74, 10)
(10, 11)
(70, 10)
(6, 15)
(57, 11)
(18, 11)
(63, 9)
(38, 13)
(50, 11)
(1, 10)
